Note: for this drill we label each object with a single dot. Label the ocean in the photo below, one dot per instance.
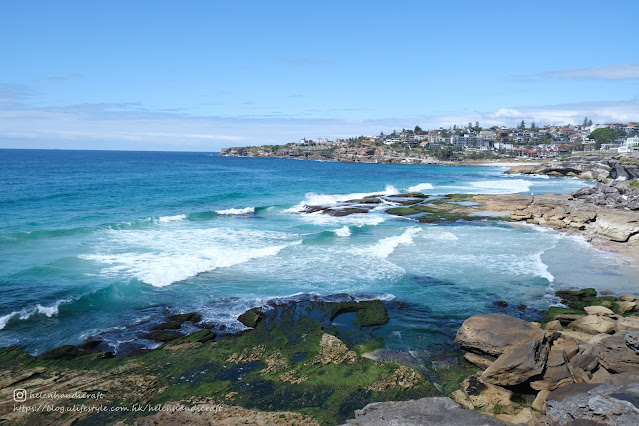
(102, 244)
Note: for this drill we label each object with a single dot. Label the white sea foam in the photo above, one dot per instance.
(165, 219)
(357, 219)
(344, 231)
(27, 313)
(245, 210)
(161, 257)
(440, 236)
(503, 186)
(313, 199)
(421, 187)
(540, 268)
(386, 246)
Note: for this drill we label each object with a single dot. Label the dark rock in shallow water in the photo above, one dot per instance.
(402, 211)
(65, 352)
(345, 212)
(163, 336)
(501, 303)
(89, 347)
(369, 313)
(188, 317)
(409, 195)
(365, 201)
(250, 318)
(170, 325)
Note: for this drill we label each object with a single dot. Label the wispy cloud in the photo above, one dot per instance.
(129, 126)
(612, 72)
(14, 93)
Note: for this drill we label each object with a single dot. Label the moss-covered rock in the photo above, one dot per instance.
(402, 211)
(193, 317)
(250, 318)
(163, 336)
(169, 325)
(369, 313)
(287, 362)
(65, 352)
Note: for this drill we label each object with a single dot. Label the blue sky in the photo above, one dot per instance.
(201, 75)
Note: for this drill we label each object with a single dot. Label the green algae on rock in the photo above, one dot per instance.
(297, 358)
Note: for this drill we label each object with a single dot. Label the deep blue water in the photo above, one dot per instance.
(100, 243)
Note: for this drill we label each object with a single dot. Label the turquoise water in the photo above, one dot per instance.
(103, 244)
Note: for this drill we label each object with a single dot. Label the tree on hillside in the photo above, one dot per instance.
(418, 130)
(477, 128)
(532, 126)
(522, 125)
(605, 135)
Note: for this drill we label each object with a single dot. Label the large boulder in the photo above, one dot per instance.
(593, 324)
(556, 374)
(616, 355)
(617, 225)
(517, 364)
(494, 334)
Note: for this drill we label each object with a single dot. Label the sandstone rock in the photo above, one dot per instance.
(617, 225)
(627, 323)
(586, 359)
(628, 298)
(540, 403)
(481, 361)
(598, 310)
(333, 351)
(556, 373)
(421, 412)
(554, 325)
(616, 356)
(600, 376)
(625, 306)
(593, 324)
(568, 345)
(525, 416)
(484, 395)
(517, 364)
(493, 334)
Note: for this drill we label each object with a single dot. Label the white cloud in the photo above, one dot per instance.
(106, 126)
(613, 72)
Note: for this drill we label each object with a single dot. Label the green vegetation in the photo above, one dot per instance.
(402, 211)
(288, 362)
(604, 135)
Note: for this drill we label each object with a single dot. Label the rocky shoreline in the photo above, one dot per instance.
(297, 364)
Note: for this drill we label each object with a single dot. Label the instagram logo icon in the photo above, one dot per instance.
(19, 395)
